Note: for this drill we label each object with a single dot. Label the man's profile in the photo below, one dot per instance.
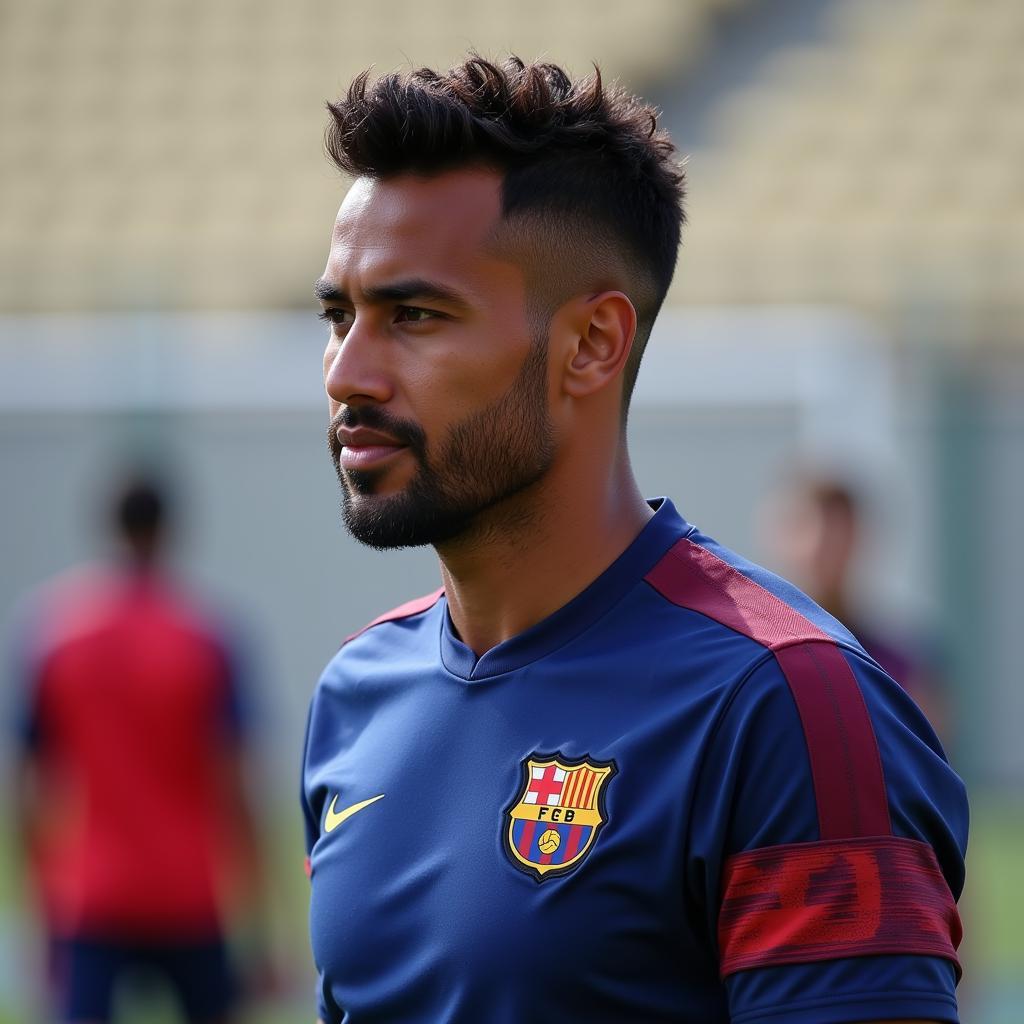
(610, 771)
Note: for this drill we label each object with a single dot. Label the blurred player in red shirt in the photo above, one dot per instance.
(130, 791)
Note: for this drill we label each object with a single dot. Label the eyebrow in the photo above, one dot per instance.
(396, 291)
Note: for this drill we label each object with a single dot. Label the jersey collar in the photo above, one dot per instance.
(660, 532)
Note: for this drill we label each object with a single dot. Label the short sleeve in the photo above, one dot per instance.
(827, 846)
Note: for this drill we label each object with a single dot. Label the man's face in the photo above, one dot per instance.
(437, 384)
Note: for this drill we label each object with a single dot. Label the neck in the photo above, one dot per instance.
(528, 557)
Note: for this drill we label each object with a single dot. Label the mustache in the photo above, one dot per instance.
(406, 432)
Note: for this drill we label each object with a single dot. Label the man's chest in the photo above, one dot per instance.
(495, 839)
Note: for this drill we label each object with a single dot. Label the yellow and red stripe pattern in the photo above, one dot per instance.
(579, 789)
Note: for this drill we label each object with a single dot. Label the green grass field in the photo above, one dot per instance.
(992, 908)
(993, 915)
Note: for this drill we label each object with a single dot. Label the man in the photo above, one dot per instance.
(130, 792)
(611, 771)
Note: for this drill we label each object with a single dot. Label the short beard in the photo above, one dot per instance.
(487, 458)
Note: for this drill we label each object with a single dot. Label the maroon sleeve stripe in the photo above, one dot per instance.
(846, 767)
(403, 611)
(822, 901)
(845, 764)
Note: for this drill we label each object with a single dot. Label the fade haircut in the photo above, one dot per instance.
(592, 190)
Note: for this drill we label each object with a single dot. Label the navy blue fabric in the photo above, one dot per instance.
(90, 970)
(418, 912)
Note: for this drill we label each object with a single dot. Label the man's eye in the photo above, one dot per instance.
(414, 315)
(336, 317)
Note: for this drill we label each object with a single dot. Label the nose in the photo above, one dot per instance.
(355, 368)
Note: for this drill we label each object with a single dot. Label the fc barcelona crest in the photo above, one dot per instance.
(557, 814)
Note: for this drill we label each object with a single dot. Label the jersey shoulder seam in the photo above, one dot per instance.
(788, 620)
(407, 610)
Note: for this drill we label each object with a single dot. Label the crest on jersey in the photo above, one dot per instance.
(557, 814)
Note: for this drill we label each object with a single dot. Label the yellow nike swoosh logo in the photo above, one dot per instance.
(335, 818)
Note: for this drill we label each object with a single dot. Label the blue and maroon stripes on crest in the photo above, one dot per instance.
(572, 838)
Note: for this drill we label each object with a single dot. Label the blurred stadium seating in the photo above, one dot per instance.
(157, 155)
(163, 155)
(877, 166)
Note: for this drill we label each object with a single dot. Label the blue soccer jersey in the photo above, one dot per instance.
(687, 796)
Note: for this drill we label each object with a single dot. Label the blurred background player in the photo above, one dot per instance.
(817, 525)
(129, 793)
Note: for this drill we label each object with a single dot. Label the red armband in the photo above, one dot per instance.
(827, 900)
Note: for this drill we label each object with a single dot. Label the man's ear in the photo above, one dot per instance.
(603, 327)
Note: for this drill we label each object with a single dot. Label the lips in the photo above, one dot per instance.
(362, 448)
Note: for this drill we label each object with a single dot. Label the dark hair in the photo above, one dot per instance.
(139, 511)
(585, 159)
(835, 496)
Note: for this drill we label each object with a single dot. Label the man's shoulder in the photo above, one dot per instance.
(395, 639)
(63, 608)
(406, 610)
(407, 616)
(700, 575)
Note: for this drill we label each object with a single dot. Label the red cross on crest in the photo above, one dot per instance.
(545, 785)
